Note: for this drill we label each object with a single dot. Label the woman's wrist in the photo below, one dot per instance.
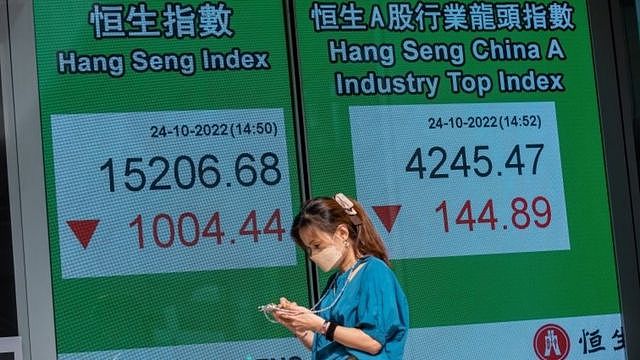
(323, 328)
(330, 331)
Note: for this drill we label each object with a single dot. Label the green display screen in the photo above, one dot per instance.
(471, 131)
(171, 176)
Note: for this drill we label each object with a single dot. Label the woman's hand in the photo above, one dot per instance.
(287, 314)
(296, 318)
(277, 315)
(300, 320)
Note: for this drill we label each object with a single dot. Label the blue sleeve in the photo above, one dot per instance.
(382, 309)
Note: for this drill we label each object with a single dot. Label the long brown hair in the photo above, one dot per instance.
(326, 214)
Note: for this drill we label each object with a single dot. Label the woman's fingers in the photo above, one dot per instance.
(286, 304)
(288, 315)
(284, 301)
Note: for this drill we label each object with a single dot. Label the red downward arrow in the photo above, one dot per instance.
(83, 229)
(387, 214)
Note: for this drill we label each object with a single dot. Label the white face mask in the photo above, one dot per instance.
(327, 259)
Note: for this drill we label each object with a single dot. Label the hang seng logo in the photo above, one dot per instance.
(551, 342)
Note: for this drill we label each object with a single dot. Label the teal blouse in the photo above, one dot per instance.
(372, 302)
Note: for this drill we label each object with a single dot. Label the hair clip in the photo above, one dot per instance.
(346, 204)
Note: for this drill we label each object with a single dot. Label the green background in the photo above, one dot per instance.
(488, 288)
(163, 309)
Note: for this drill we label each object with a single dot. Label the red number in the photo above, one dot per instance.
(445, 218)
(218, 233)
(488, 208)
(520, 211)
(545, 213)
(196, 229)
(466, 209)
(275, 217)
(251, 219)
(172, 231)
(138, 221)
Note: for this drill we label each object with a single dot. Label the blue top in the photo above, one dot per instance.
(372, 302)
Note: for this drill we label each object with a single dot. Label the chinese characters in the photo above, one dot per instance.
(179, 21)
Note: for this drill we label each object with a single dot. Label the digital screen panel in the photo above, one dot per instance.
(171, 177)
(470, 131)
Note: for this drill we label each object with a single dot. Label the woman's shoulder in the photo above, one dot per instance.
(376, 266)
(378, 275)
(370, 259)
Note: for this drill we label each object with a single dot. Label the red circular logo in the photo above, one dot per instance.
(551, 342)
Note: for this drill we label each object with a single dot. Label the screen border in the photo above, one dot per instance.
(21, 109)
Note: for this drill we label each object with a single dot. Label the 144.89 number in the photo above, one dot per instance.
(523, 214)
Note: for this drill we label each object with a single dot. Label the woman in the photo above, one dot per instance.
(363, 312)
